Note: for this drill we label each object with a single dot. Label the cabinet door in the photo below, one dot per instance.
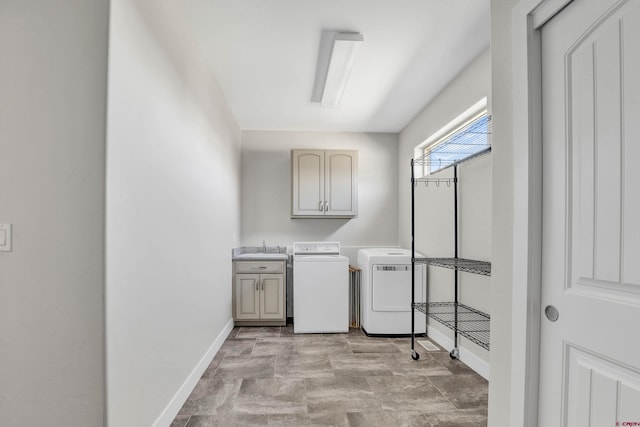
(247, 296)
(341, 189)
(272, 296)
(307, 182)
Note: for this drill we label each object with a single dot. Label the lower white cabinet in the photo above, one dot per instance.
(259, 296)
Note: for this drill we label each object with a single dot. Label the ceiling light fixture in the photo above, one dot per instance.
(335, 67)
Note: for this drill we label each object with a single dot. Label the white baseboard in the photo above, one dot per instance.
(172, 409)
(467, 357)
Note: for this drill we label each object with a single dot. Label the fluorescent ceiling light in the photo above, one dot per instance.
(334, 70)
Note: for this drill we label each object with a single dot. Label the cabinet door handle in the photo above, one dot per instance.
(257, 285)
(326, 206)
(321, 206)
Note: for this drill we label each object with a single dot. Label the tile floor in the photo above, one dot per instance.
(267, 376)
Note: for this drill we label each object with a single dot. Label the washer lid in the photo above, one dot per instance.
(299, 259)
(316, 248)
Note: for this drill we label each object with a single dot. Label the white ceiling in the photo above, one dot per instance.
(264, 54)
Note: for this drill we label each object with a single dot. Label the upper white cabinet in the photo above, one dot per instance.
(324, 183)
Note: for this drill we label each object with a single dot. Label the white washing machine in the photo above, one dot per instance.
(320, 288)
(386, 291)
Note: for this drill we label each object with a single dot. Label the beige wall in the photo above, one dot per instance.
(53, 82)
(173, 174)
(500, 405)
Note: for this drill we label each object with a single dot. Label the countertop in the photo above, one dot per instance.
(259, 253)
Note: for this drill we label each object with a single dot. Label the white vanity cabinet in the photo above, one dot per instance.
(324, 183)
(259, 296)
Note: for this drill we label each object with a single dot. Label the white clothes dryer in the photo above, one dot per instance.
(386, 292)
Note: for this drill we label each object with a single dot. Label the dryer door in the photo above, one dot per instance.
(391, 287)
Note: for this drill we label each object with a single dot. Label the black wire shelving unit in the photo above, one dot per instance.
(463, 320)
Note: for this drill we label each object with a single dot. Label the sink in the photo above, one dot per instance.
(260, 252)
(261, 256)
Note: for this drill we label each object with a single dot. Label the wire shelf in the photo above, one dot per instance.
(461, 264)
(469, 322)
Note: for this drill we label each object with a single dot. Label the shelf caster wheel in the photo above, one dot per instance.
(454, 354)
(415, 355)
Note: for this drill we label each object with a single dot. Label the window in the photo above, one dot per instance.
(465, 141)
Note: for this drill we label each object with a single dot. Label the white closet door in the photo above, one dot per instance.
(590, 354)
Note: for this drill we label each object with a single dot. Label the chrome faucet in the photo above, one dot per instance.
(264, 247)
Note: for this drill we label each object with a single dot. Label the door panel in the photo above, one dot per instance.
(247, 296)
(272, 296)
(340, 179)
(590, 356)
(630, 33)
(308, 184)
(597, 388)
(605, 201)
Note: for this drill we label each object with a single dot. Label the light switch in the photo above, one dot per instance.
(5, 237)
